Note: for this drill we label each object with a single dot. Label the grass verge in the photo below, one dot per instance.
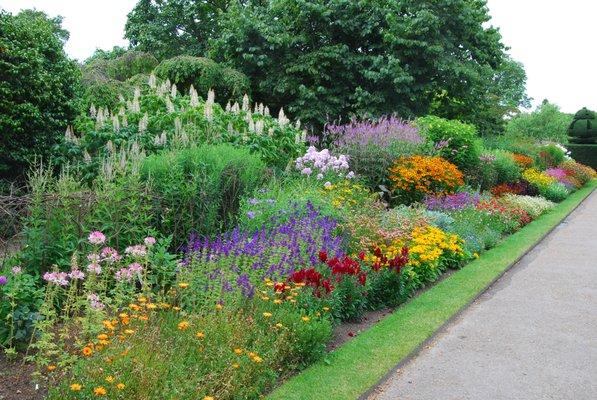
(351, 370)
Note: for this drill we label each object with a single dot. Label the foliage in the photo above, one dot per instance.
(415, 176)
(457, 142)
(551, 155)
(306, 55)
(174, 27)
(546, 122)
(37, 91)
(204, 74)
(534, 206)
(199, 189)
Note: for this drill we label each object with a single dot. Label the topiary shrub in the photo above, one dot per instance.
(582, 134)
(455, 141)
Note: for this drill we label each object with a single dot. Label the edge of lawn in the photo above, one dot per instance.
(357, 367)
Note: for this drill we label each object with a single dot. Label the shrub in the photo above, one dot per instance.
(555, 192)
(457, 142)
(37, 90)
(415, 176)
(204, 74)
(547, 122)
(508, 171)
(551, 155)
(200, 189)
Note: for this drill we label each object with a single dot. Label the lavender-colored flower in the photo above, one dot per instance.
(149, 241)
(94, 301)
(350, 175)
(382, 132)
(451, 202)
(441, 144)
(3, 280)
(239, 260)
(96, 237)
(16, 270)
(250, 214)
(254, 201)
(487, 158)
(327, 185)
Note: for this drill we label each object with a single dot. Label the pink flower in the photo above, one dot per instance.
(110, 255)
(96, 237)
(76, 274)
(16, 270)
(149, 241)
(94, 268)
(136, 251)
(94, 301)
(58, 278)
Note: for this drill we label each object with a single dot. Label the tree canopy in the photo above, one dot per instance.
(37, 90)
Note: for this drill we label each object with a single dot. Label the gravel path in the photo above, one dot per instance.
(532, 336)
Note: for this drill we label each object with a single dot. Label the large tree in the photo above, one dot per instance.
(322, 59)
(37, 88)
(167, 28)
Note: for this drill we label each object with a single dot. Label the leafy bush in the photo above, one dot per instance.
(546, 122)
(457, 142)
(551, 155)
(199, 189)
(508, 171)
(204, 74)
(37, 90)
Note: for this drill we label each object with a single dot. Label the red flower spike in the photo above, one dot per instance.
(323, 256)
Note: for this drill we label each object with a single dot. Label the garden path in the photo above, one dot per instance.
(532, 335)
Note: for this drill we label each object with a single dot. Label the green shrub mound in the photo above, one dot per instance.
(456, 141)
(583, 128)
(584, 153)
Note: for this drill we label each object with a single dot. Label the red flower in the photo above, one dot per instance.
(362, 255)
(280, 287)
(327, 285)
(362, 279)
(323, 256)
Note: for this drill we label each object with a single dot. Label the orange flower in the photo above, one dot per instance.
(99, 391)
(51, 367)
(87, 351)
(183, 285)
(238, 351)
(200, 335)
(183, 325)
(120, 386)
(75, 387)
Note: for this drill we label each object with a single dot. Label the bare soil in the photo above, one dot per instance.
(16, 382)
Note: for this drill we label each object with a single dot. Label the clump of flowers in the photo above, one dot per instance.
(534, 206)
(537, 178)
(323, 164)
(416, 176)
(455, 201)
(579, 171)
(521, 187)
(522, 160)
(346, 194)
(382, 132)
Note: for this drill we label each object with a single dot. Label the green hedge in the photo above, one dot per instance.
(584, 153)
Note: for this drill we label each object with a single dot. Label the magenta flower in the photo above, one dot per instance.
(110, 255)
(58, 278)
(3, 280)
(96, 237)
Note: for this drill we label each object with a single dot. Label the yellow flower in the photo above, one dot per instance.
(183, 325)
(200, 335)
(75, 387)
(219, 306)
(176, 308)
(305, 319)
(99, 391)
(238, 351)
(120, 386)
(267, 314)
(109, 379)
(129, 331)
(142, 299)
(51, 367)
(102, 336)
(151, 306)
(277, 301)
(279, 325)
(326, 309)
(134, 306)
(183, 285)
(265, 298)
(235, 365)
(257, 359)
(209, 398)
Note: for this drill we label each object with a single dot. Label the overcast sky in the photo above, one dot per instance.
(555, 40)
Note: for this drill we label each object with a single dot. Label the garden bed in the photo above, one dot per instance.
(352, 370)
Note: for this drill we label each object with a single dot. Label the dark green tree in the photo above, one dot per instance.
(322, 59)
(38, 84)
(167, 28)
